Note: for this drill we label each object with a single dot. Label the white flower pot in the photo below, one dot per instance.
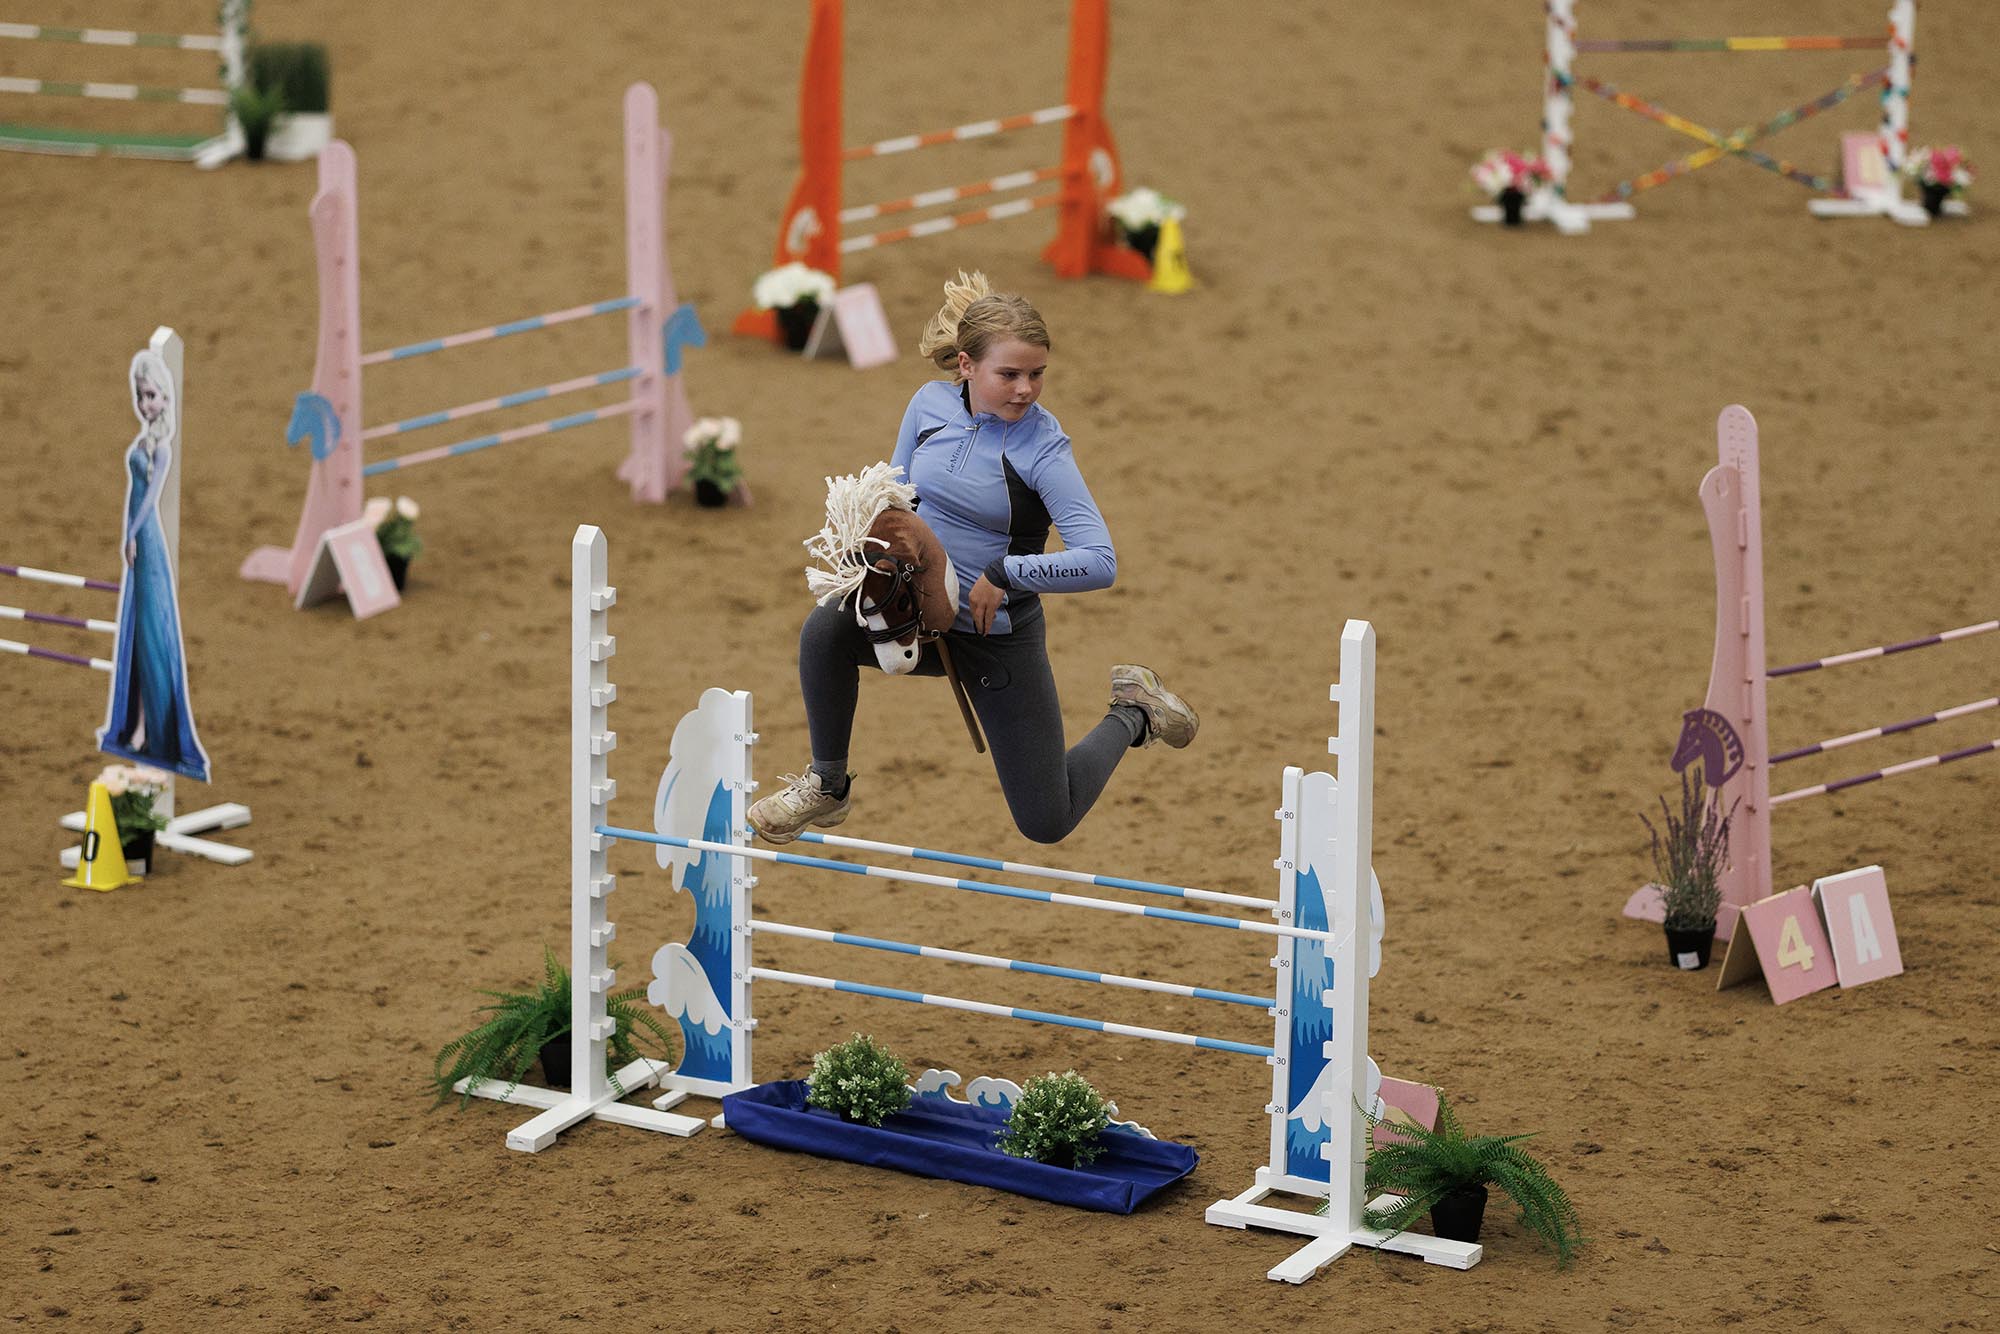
(299, 136)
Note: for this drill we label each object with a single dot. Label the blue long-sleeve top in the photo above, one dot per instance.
(990, 489)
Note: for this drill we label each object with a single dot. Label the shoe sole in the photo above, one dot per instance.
(1151, 681)
(829, 822)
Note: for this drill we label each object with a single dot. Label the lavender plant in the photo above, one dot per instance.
(1688, 858)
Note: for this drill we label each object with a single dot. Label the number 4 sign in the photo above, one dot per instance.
(1785, 937)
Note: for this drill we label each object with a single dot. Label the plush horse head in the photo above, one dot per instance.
(887, 561)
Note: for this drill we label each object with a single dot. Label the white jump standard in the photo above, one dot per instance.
(1327, 932)
(1870, 184)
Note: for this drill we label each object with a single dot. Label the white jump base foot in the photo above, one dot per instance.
(562, 1109)
(1567, 218)
(180, 834)
(1331, 1238)
(1905, 211)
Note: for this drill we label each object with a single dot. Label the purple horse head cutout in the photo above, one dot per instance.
(1706, 735)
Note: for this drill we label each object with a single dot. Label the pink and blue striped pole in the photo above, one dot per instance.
(478, 443)
(501, 330)
(513, 400)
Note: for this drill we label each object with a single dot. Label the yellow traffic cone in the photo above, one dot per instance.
(100, 864)
(1170, 270)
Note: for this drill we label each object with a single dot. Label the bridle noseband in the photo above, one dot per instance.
(901, 615)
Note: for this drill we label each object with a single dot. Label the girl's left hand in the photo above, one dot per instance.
(985, 599)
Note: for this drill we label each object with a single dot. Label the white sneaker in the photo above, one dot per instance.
(1168, 718)
(782, 816)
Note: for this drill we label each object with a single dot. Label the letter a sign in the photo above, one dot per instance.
(1859, 925)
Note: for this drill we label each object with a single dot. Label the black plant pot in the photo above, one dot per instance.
(399, 568)
(1144, 240)
(708, 495)
(138, 850)
(1457, 1215)
(796, 323)
(254, 137)
(1934, 197)
(1511, 203)
(1688, 947)
(555, 1061)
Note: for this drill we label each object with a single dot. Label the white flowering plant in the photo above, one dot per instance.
(791, 285)
(1056, 1120)
(710, 445)
(1502, 169)
(860, 1080)
(398, 532)
(132, 788)
(1939, 167)
(1139, 213)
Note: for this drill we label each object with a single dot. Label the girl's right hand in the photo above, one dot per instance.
(985, 601)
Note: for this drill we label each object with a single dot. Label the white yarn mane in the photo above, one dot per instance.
(853, 503)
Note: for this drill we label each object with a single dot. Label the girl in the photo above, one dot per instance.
(148, 718)
(993, 470)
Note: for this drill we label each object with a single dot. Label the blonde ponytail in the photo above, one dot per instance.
(973, 318)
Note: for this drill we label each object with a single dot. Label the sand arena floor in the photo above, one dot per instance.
(1486, 443)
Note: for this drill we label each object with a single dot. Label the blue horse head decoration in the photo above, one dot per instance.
(314, 419)
(682, 329)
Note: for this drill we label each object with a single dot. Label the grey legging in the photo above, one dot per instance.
(1013, 692)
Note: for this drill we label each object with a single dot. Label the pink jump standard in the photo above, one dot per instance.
(1729, 735)
(330, 415)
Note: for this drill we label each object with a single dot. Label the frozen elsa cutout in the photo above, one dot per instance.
(148, 719)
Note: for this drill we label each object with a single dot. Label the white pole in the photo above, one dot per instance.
(1895, 131)
(591, 790)
(1353, 853)
(1559, 54)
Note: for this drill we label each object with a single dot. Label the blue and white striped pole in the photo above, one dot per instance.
(1008, 1012)
(970, 886)
(760, 926)
(1043, 872)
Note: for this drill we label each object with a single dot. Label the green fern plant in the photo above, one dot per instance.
(1423, 1166)
(860, 1080)
(1057, 1120)
(507, 1042)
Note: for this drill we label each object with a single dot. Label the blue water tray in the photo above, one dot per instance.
(955, 1141)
